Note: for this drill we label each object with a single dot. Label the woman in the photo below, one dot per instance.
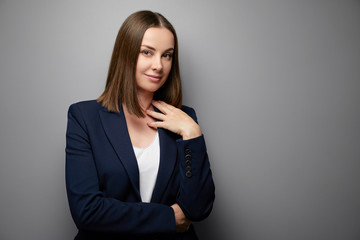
(136, 161)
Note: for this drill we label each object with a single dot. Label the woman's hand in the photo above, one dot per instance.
(182, 223)
(174, 120)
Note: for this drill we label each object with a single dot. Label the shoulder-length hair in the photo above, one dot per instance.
(121, 84)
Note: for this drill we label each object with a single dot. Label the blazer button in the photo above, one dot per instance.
(187, 151)
(188, 174)
(188, 157)
(188, 168)
(187, 162)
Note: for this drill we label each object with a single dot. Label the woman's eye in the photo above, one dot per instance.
(167, 55)
(146, 52)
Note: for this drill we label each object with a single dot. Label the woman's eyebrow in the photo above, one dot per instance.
(147, 46)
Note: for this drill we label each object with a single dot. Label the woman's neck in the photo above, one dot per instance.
(145, 100)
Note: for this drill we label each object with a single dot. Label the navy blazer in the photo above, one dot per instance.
(102, 178)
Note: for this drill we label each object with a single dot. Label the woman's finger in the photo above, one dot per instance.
(168, 106)
(156, 124)
(155, 115)
(164, 125)
(152, 125)
(162, 106)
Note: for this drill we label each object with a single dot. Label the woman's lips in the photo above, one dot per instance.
(153, 77)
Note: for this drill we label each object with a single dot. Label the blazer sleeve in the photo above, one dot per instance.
(93, 211)
(197, 190)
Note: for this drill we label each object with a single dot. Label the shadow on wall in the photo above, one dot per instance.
(213, 228)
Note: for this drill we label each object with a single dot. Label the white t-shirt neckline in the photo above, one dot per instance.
(148, 160)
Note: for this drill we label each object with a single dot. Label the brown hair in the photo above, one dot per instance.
(120, 84)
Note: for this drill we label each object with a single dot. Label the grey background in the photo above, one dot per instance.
(276, 86)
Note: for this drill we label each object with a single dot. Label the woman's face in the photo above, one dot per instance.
(155, 58)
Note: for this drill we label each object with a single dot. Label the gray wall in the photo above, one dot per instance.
(276, 86)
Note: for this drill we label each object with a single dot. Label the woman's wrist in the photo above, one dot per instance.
(194, 132)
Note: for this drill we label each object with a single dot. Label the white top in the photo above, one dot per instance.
(148, 160)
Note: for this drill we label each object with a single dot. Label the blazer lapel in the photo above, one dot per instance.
(167, 163)
(116, 130)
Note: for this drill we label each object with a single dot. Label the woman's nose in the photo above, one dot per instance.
(157, 63)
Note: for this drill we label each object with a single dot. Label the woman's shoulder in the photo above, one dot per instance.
(87, 104)
(189, 111)
(87, 107)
